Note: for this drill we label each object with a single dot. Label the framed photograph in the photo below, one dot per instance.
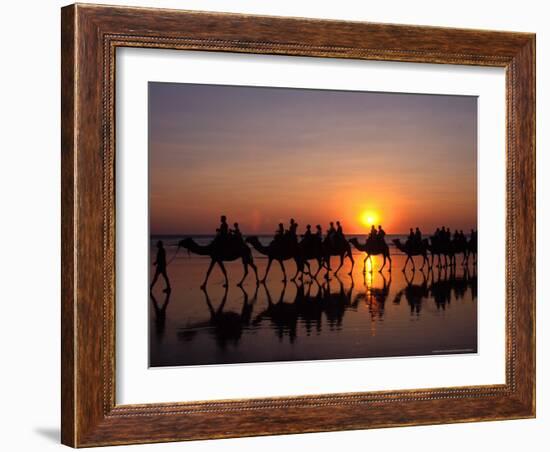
(281, 225)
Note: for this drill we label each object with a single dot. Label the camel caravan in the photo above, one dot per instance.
(230, 245)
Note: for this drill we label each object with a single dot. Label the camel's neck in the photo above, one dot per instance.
(399, 245)
(357, 245)
(195, 248)
(257, 245)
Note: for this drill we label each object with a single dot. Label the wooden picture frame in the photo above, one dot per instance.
(90, 36)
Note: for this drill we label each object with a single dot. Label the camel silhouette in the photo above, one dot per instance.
(372, 248)
(338, 246)
(278, 250)
(219, 252)
(449, 250)
(471, 250)
(311, 248)
(225, 325)
(415, 294)
(413, 250)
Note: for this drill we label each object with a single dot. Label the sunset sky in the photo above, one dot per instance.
(264, 155)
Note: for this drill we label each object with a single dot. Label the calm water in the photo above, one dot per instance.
(357, 316)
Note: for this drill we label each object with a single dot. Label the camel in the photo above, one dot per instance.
(311, 248)
(219, 252)
(278, 250)
(448, 250)
(338, 246)
(372, 249)
(471, 249)
(413, 250)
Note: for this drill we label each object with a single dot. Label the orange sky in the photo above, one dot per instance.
(264, 155)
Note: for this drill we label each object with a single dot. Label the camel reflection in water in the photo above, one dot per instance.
(441, 288)
(374, 297)
(225, 325)
(306, 308)
(312, 308)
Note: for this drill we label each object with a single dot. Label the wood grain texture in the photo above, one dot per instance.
(90, 36)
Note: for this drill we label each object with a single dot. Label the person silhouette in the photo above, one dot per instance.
(293, 228)
(224, 228)
(308, 234)
(237, 232)
(372, 233)
(160, 269)
(417, 236)
(331, 233)
(339, 229)
(410, 239)
(381, 234)
(319, 232)
(279, 233)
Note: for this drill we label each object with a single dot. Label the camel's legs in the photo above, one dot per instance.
(352, 263)
(365, 264)
(297, 271)
(341, 264)
(283, 269)
(383, 265)
(267, 269)
(424, 260)
(245, 265)
(220, 263)
(253, 265)
(212, 262)
(327, 265)
(320, 265)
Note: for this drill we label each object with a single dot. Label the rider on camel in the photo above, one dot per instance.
(381, 235)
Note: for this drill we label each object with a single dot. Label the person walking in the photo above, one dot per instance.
(160, 269)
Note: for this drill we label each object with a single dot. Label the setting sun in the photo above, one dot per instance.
(369, 218)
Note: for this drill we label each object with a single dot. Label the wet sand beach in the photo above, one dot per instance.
(361, 315)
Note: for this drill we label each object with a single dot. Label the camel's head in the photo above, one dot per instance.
(397, 242)
(353, 240)
(185, 243)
